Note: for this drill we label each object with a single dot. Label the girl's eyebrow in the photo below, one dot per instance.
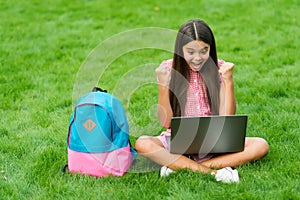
(190, 48)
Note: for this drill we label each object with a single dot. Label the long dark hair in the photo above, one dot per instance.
(180, 74)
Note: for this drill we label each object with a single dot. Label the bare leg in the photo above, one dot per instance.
(255, 149)
(153, 149)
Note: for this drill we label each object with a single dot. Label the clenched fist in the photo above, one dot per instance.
(163, 74)
(226, 69)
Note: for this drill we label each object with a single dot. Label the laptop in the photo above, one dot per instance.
(208, 134)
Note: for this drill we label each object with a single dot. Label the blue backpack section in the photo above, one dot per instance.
(98, 125)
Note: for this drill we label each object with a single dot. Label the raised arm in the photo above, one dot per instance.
(164, 110)
(227, 97)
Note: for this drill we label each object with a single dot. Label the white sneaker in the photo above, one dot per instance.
(227, 175)
(165, 171)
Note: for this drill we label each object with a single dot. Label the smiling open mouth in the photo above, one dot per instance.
(196, 66)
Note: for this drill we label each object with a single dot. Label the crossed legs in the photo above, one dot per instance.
(152, 148)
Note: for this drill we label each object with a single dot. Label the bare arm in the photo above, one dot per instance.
(227, 97)
(164, 110)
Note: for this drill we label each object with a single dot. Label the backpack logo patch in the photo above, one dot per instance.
(89, 125)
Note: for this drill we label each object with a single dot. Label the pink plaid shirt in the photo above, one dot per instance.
(196, 105)
(197, 100)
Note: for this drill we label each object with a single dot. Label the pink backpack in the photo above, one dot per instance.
(98, 137)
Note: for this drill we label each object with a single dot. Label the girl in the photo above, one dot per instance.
(191, 84)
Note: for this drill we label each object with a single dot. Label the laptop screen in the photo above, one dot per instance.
(208, 134)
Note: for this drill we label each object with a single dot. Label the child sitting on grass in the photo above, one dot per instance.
(196, 83)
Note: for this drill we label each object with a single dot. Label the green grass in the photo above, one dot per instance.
(45, 44)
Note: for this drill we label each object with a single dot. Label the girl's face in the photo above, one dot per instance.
(196, 54)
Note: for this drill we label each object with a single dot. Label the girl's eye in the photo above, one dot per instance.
(204, 51)
(190, 52)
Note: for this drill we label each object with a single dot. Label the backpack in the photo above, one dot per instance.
(98, 138)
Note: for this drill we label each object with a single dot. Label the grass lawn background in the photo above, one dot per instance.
(44, 44)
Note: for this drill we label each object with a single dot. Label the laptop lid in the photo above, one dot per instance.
(208, 134)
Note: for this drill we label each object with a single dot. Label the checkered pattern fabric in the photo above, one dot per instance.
(197, 100)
